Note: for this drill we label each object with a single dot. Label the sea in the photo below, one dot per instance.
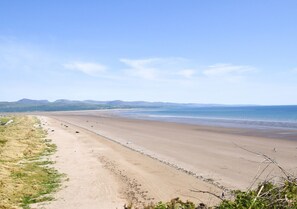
(260, 117)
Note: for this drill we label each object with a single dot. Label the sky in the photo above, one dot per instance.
(190, 51)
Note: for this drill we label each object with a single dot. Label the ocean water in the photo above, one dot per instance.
(284, 117)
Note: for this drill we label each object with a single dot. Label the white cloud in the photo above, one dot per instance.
(88, 68)
(162, 69)
(142, 68)
(187, 73)
(139, 63)
(179, 69)
(227, 70)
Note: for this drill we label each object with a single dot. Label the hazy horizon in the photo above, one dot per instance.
(231, 104)
(225, 52)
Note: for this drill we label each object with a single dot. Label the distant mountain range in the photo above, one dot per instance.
(29, 105)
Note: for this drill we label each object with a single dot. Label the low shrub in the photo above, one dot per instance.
(267, 195)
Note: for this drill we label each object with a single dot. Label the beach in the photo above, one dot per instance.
(147, 161)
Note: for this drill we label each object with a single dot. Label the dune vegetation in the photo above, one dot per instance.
(267, 195)
(26, 176)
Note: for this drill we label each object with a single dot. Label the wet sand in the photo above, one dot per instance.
(211, 152)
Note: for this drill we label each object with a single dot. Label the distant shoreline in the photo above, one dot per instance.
(267, 129)
(231, 117)
(242, 128)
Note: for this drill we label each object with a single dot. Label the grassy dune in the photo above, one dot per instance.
(25, 173)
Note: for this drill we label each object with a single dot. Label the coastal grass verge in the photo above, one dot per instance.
(268, 195)
(4, 120)
(26, 175)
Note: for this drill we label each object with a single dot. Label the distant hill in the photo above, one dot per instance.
(30, 101)
(29, 105)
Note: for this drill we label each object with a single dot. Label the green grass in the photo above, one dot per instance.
(26, 176)
(50, 149)
(4, 120)
(2, 142)
(175, 203)
(267, 195)
(46, 179)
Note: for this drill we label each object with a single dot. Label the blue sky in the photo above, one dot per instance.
(203, 51)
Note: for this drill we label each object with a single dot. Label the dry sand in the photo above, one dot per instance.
(88, 184)
(104, 174)
(120, 174)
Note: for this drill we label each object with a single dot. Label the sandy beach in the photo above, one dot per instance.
(102, 172)
(113, 160)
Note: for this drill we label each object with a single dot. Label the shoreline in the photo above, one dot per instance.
(245, 126)
(235, 121)
(280, 133)
(213, 149)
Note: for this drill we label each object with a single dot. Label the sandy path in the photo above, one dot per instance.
(208, 152)
(104, 174)
(90, 185)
